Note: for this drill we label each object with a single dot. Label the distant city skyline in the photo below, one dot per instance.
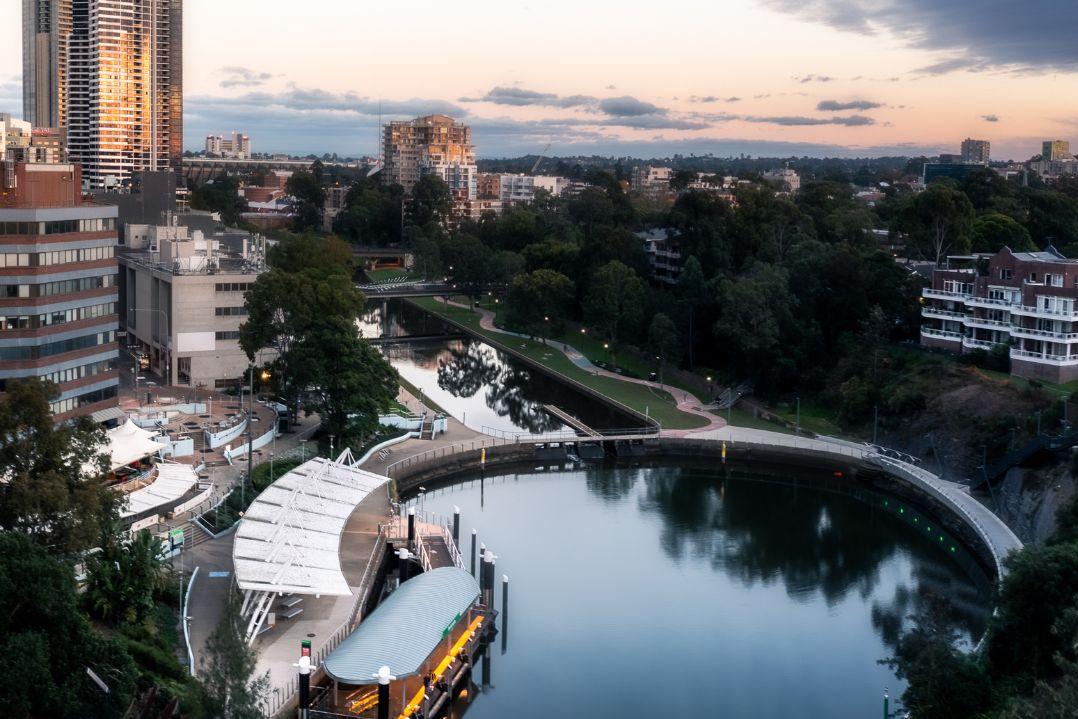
(760, 77)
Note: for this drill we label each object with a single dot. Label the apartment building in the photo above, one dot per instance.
(21, 142)
(434, 144)
(646, 178)
(976, 152)
(787, 180)
(1027, 301)
(182, 300)
(522, 188)
(237, 147)
(109, 75)
(1053, 150)
(58, 296)
(663, 253)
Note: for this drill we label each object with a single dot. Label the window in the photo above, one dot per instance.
(1006, 273)
(239, 311)
(228, 335)
(232, 286)
(1032, 276)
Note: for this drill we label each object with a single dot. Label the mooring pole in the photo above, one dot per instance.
(411, 527)
(886, 705)
(456, 526)
(402, 561)
(304, 665)
(505, 612)
(384, 678)
(473, 553)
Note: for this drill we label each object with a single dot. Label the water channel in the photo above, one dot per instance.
(487, 390)
(665, 590)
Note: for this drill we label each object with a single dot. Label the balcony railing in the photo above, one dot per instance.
(929, 311)
(971, 343)
(986, 323)
(943, 294)
(989, 302)
(1044, 358)
(1030, 332)
(941, 334)
(1042, 312)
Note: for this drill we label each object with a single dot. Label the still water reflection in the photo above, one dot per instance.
(663, 591)
(482, 387)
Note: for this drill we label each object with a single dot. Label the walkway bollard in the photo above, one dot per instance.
(384, 678)
(456, 526)
(473, 553)
(411, 527)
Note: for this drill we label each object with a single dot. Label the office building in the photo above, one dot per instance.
(109, 75)
(238, 147)
(435, 144)
(58, 297)
(19, 142)
(1055, 150)
(1025, 300)
(976, 152)
(182, 300)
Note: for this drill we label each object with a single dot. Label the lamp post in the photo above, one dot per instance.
(250, 432)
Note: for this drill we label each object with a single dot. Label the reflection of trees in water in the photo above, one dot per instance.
(967, 609)
(812, 541)
(392, 318)
(465, 368)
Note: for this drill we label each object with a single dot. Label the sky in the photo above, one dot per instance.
(634, 77)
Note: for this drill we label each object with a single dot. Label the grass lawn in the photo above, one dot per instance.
(741, 418)
(1059, 390)
(414, 391)
(659, 405)
(815, 418)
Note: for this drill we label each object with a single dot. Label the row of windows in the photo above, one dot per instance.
(56, 257)
(60, 317)
(57, 227)
(233, 286)
(74, 373)
(229, 335)
(57, 348)
(239, 311)
(83, 400)
(62, 287)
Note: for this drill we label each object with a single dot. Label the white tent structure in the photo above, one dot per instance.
(289, 539)
(172, 482)
(129, 443)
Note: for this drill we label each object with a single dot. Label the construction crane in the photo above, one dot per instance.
(539, 159)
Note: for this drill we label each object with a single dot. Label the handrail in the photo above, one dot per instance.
(183, 618)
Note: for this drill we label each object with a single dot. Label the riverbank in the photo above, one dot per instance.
(639, 397)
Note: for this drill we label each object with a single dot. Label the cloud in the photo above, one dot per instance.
(990, 118)
(713, 98)
(243, 77)
(519, 97)
(800, 121)
(836, 106)
(973, 35)
(812, 78)
(628, 106)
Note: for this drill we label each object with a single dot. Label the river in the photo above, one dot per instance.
(665, 590)
(484, 388)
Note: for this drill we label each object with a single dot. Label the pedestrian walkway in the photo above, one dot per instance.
(684, 400)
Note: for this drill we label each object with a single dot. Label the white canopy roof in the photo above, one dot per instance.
(289, 539)
(173, 481)
(129, 443)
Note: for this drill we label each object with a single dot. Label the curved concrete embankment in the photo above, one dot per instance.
(952, 503)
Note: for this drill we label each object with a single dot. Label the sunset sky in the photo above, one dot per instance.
(770, 77)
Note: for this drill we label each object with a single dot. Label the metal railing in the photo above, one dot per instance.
(930, 332)
(1025, 354)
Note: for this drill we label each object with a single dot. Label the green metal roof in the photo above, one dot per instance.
(406, 628)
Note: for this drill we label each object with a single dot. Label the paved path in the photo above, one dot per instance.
(686, 401)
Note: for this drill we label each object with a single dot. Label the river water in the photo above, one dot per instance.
(487, 390)
(665, 590)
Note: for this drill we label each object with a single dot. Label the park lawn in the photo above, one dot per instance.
(1059, 390)
(816, 418)
(741, 418)
(414, 391)
(655, 403)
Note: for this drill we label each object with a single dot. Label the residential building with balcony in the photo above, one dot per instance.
(58, 297)
(182, 300)
(1027, 301)
(664, 255)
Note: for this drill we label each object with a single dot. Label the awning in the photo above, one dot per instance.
(107, 414)
(173, 481)
(289, 538)
(406, 628)
(129, 443)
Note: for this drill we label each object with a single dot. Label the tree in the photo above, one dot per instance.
(938, 221)
(309, 200)
(373, 214)
(51, 644)
(221, 195)
(124, 577)
(681, 179)
(230, 689)
(993, 232)
(692, 289)
(304, 308)
(540, 301)
(615, 303)
(431, 201)
(664, 341)
(53, 491)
